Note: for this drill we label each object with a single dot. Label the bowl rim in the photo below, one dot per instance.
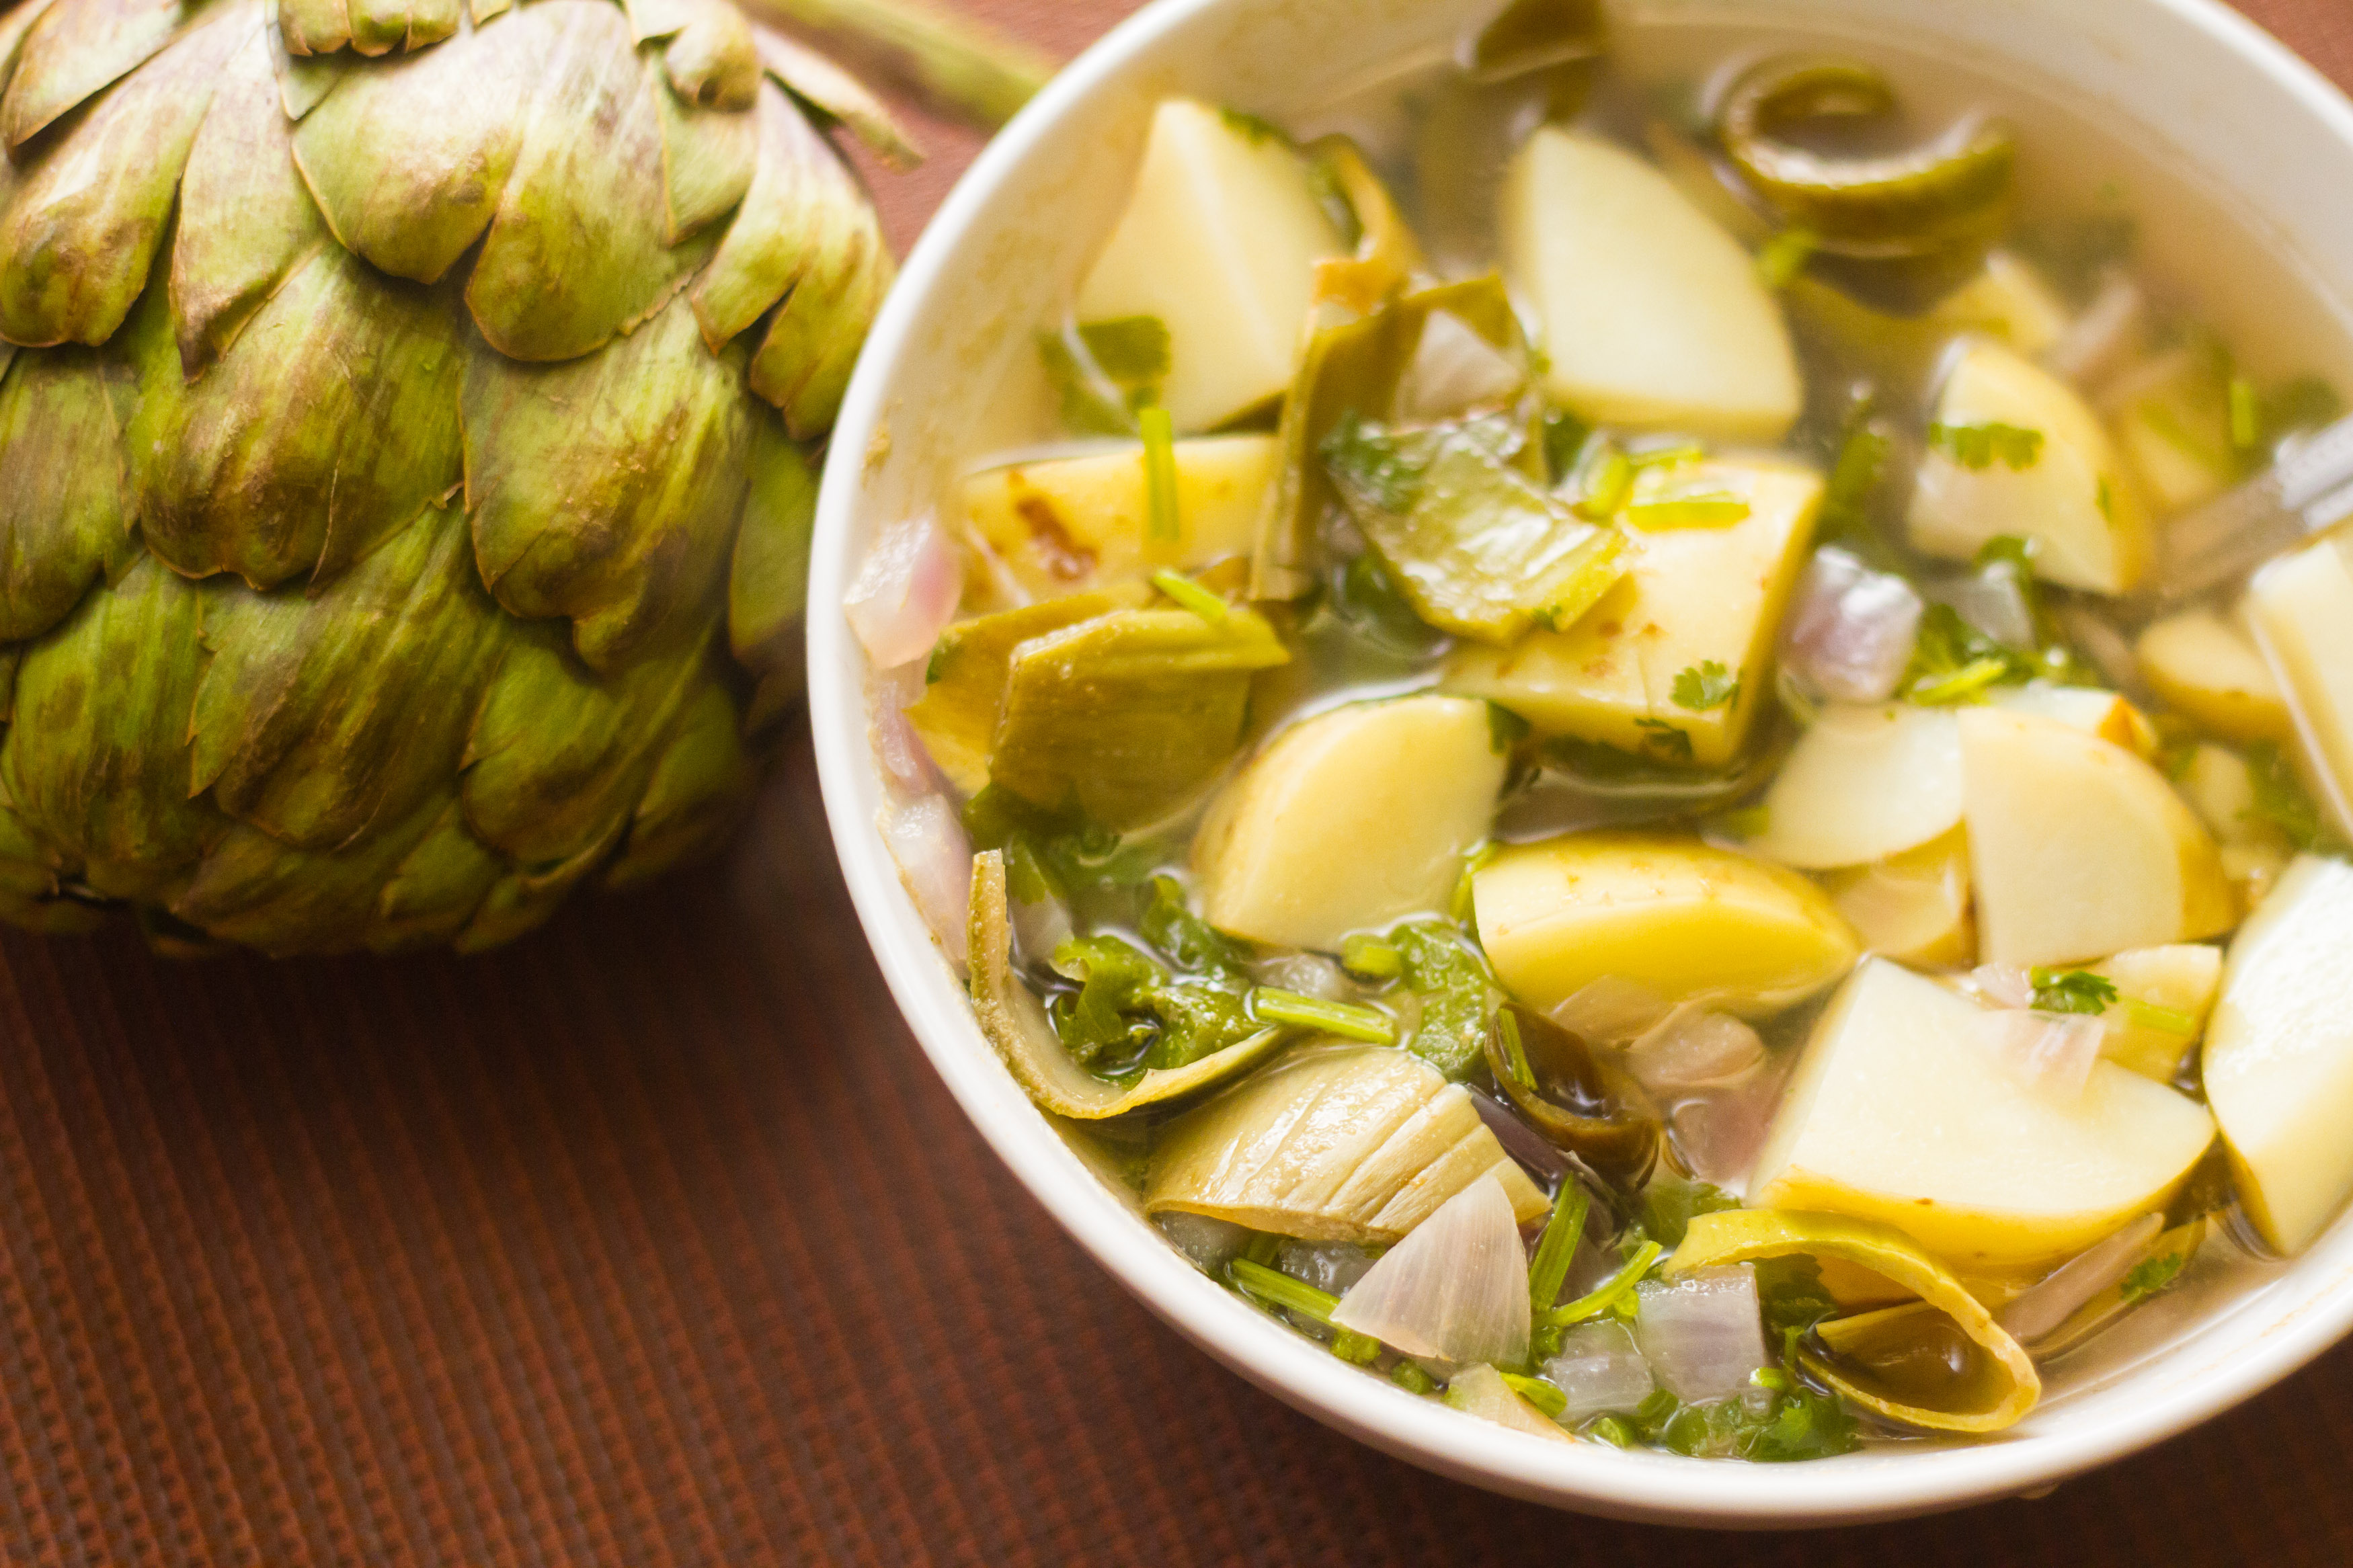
(1588, 1477)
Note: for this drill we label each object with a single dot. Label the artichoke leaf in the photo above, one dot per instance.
(96, 759)
(1383, 238)
(832, 92)
(964, 685)
(380, 26)
(314, 28)
(13, 25)
(1360, 343)
(274, 463)
(410, 159)
(278, 899)
(1333, 1142)
(711, 61)
(1130, 715)
(569, 517)
(653, 20)
(322, 714)
(803, 365)
(767, 581)
(787, 217)
(433, 893)
(84, 214)
(70, 51)
(303, 81)
(1016, 1024)
(696, 794)
(559, 759)
(708, 159)
(1876, 1358)
(63, 523)
(1475, 548)
(246, 218)
(585, 201)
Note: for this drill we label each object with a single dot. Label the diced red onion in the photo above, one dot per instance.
(1455, 1288)
(1692, 1046)
(907, 770)
(1455, 369)
(1601, 1369)
(2053, 1052)
(905, 592)
(1609, 1011)
(1719, 1133)
(935, 863)
(2055, 1299)
(1702, 1335)
(1520, 1141)
(2100, 339)
(1849, 631)
(1209, 1242)
(1308, 974)
(1990, 601)
(2002, 985)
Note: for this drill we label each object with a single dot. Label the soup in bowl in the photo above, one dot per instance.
(1512, 705)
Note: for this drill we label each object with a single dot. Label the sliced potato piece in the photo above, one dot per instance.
(2279, 1055)
(1333, 1142)
(1691, 597)
(1863, 784)
(2221, 787)
(1901, 1112)
(2178, 978)
(2171, 415)
(1016, 1024)
(2205, 666)
(2077, 847)
(1066, 524)
(2007, 299)
(1218, 241)
(1914, 907)
(1653, 316)
(2071, 495)
(1350, 820)
(1680, 918)
(2090, 708)
(2300, 611)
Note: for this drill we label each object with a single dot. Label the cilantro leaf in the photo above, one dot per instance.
(1131, 349)
(1664, 740)
(1456, 996)
(1953, 662)
(1706, 685)
(1191, 943)
(2151, 1275)
(2072, 991)
(1105, 1018)
(1981, 446)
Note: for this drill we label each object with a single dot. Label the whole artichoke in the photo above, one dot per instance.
(406, 426)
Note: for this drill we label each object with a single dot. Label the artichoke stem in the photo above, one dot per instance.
(959, 68)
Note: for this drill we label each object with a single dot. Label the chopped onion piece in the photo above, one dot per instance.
(2003, 984)
(1702, 1334)
(1609, 1011)
(1332, 1267)
(935, 863)
(2055, 1299)
(1209, 1242)
(1308, 974)
(1692, 1046)
(1719, 1133)
(1455, 369)
(1481, 1390)
(2053, 1052)
(1994, 603)
(1456, 1288)
(1601, 1369)
(2097, 342)
(905, 592)
(1849, 631)
(907, 770)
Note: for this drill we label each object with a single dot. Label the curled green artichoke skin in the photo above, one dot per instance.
(408, 420)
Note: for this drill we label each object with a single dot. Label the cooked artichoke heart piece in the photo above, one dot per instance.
(1333, 1142)
(1900, 1362)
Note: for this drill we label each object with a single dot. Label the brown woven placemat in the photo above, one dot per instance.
(653, 1240)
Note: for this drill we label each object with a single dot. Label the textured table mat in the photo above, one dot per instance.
(653, 1240)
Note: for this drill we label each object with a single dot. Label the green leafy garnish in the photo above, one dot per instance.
(1458, 997)
(1663, 739)
(1799, 1424)
(1704, 686)
(1671, 1204)
(1131, 349)
(1109, 1016)
(2072, 991)
(1412, 1379)
(1368, 957)
(1159, 435)
(2280, 798)
(1349, 1020)
(1056, 853)
(1953, 662)
(1614, 1294)
(1105, 371)
(2151, 1275)
(1981, 446)
(1280, 1289)
(1130, 1012)
(1195, 945)
(1790, 1296)
(1556, 1248)
(1545, 1396)
(1190, 595)
(1366, 597)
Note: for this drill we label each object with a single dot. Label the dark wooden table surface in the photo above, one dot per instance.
(652, 1240)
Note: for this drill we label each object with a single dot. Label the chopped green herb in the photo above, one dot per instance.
(1254, 128)
(1770, 1377)
(1791, 1300)
(1953, 662)
(1105, 371)
(1132, 351)
(1412, 1379)
(1361, 455)
(1688, 508)
(2152, 1275)
(1190, 595)
(1565, 436)
(1515, 1053)
(1459, 907)
(1273, 1284)
(1671, 1204)
(1367, 599)
(1663, 739)
(2246, 414)
(1798, 1424)
(1191, 943)
(1607, 481)
(1458, 996)
(2072, 991)
(1614, 1294)
(1704, 686)
(1159, 435)
(1545, 1396)
(1855, 476)
(1369, 958)
(1505, 729)
(1556, 1248)
(1108, 1015)
(1614, 1431)
(2280, 797)
(1057, 855)
(1349, 1020)
(1784, 256)
(1091, 403)
(1981, 446)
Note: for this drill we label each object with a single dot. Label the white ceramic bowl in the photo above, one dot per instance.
(2187, 75)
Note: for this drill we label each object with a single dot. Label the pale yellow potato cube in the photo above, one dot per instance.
(2090, 708)
(2180, 977)
(1218, 241)
(2205, 666)
(1914, 907)
(1690, 596)
(1062, 525)
(2009, 301)
(2300, 611)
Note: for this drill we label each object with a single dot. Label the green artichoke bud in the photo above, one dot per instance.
(408, 420)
